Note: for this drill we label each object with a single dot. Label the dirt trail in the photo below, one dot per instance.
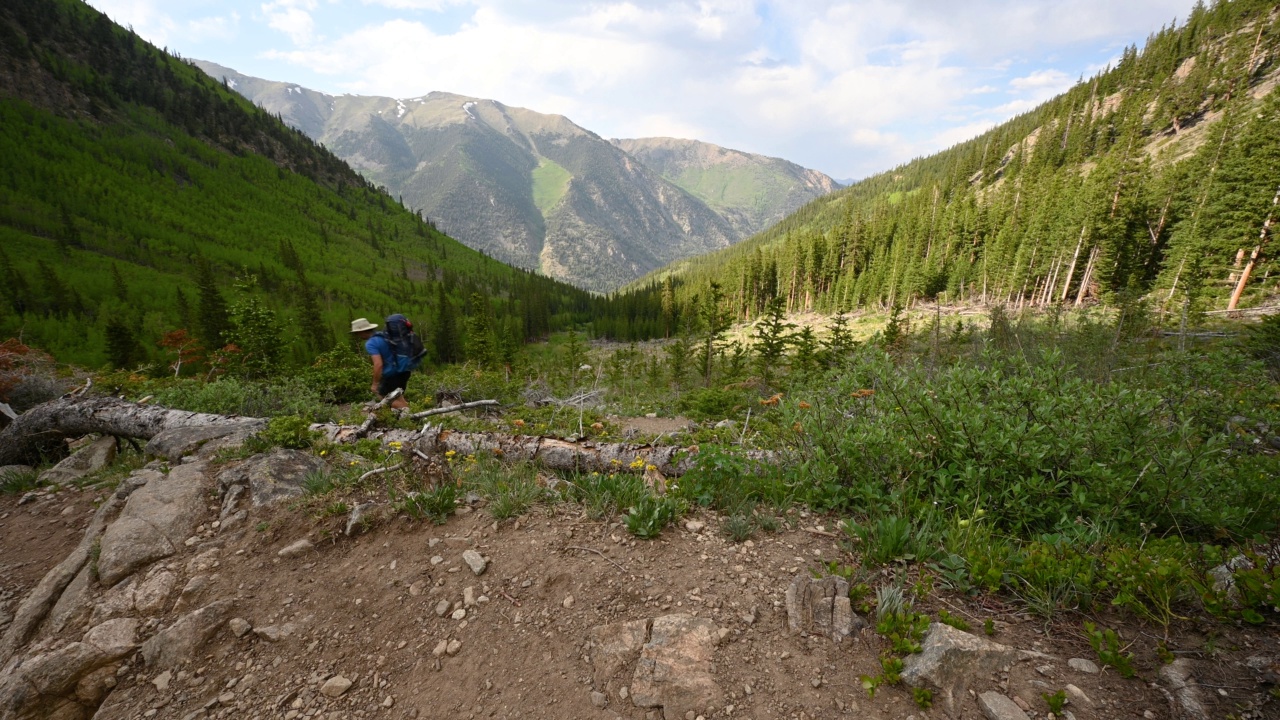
(381, 610)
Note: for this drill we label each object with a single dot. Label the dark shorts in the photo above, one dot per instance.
(393, 381)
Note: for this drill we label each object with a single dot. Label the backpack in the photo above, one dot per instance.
(407, 349)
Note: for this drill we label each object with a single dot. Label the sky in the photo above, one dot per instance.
(847, 88)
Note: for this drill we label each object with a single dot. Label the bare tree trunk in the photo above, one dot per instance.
(1074, 258)
(1257, 250)
(1088, 275)
(43, 427)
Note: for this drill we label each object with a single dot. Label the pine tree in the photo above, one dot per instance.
(215, 319)
(772, 337)
(444, 334)
(839, 341)
(122, 347)
(805, 361)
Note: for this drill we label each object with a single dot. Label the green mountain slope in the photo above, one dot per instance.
(751, 191)
(532, 189)
(127, 171)
(1154, 177)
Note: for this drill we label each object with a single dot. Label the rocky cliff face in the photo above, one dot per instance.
(536, 190)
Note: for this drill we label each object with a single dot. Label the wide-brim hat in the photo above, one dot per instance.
(362, 324)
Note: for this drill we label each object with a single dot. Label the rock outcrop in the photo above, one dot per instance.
(87, 460)
(155, 521)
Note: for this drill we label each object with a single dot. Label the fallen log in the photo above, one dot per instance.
(48, 424)
(41, 429)
(454, 408)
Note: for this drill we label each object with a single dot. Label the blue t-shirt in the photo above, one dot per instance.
(379, 345)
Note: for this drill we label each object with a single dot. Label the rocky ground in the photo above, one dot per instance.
(198, 601)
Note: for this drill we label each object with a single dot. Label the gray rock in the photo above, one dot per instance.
(356, 519)
(453, 647)
(73, 605)
(442, 607)
(274, 633)
(1084, 665)
(6, 470)
(114, 638)
(239, 626)
(272, 477)
(1185, 692)
(152, 594)
(296, 548)
(950, 659)
(156, 520)
(180, 640)
(998, 707)
(85, 461)
(599, 699)
(821, 606)
(177, 443)
(335, 686)
(475, 561)
(616, 646)
(229, 500)
(674, 669)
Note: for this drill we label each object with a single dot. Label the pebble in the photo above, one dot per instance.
(568, 602)
(161, 681)
(475, 561)
(459, 614)
(1083, 665)
(295, 549)
(695, 526)
(436, 559)
(442, 607)
(335, 686)
(417, 588)
(441, 648)
(453, 647)
(468, 597)
(599, 699)
(389, 702)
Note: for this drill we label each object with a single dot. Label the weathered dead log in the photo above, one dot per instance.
(43, 427)
(565, 456)
(454, 408)
(373, 412)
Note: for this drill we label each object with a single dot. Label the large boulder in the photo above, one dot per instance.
(155, 521)
(179, 442)
(85, 461)
(272, 477)
(951, 659)
(31, 687)
(179, 641)
(674, 669)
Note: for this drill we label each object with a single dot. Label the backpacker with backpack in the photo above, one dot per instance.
(407, 349)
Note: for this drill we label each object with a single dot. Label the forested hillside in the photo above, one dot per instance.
(142, 202)
(1157, 177)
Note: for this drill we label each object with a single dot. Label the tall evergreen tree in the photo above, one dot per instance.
(215, 319)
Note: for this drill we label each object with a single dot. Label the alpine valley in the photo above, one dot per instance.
(538, 191)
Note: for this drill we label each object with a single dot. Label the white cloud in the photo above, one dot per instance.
(848, 86)
(291, 17)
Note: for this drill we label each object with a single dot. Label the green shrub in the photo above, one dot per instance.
(289, 431)
(647, 518)
(739, 527)
(1040, 446)
(1106, 643)
(712, 403)
(607, 494)
(435, 504)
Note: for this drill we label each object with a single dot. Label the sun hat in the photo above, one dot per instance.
(361, 324)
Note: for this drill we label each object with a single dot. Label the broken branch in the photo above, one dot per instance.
(454, 408)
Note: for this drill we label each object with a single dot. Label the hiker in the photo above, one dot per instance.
(395, 353)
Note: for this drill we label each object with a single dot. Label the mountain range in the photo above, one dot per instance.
(538, 191)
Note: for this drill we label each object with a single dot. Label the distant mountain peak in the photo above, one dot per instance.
(539, 191)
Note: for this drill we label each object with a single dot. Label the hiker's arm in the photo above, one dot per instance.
(377, 372)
